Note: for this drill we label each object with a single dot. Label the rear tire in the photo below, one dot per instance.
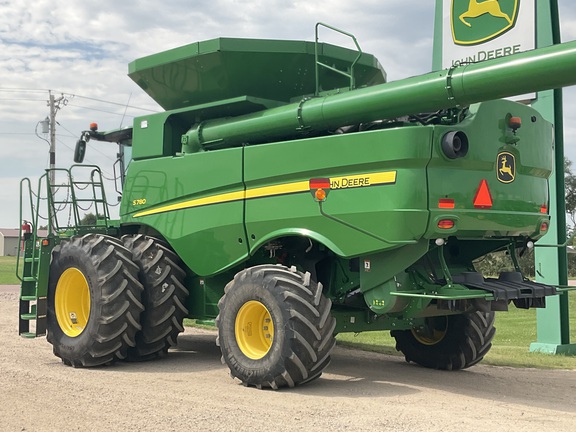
(448, 342)
(274, 327)
(162, 274)
(93, 301)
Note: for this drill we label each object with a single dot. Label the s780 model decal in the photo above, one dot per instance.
(345, 182)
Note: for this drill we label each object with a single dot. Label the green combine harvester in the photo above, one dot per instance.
(289, 193)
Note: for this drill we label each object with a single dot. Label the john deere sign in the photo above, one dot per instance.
(478, 21)
(477, 30)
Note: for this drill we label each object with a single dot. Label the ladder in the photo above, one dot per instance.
(34, 287)
(33, 270)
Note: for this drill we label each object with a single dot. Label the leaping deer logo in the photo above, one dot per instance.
(476, 9)
(507, 169)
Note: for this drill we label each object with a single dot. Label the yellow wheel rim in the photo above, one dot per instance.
(72, 302)
(254, 330)
(431, 333)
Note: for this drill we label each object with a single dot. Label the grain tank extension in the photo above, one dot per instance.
(289, 193)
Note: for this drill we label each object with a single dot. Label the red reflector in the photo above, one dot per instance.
(544, 209)
(483, 198)
(319, 183)
(446, 203)
(446, 224)
(544, 226)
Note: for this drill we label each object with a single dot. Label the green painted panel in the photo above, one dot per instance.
(208, 238)
(396, 210)
(225, 68)
(516, 209)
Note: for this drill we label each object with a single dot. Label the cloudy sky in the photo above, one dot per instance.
(81, 49)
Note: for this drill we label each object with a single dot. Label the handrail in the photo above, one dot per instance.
(319, 63)
(21, 214)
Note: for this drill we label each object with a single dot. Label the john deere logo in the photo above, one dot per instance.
(478, 21)
(506, 167)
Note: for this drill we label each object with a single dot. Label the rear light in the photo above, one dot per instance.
(446, 203)
(544, 227)
(446, 224)
(544, 209)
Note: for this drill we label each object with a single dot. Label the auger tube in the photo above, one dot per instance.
(531, 71)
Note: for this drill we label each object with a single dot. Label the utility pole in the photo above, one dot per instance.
(54, 105)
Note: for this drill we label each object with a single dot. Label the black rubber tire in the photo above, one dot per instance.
(115, 300)
(467, 340)
(303, 327)
(164, 298)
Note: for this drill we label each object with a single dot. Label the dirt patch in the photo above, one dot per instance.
(191, 390)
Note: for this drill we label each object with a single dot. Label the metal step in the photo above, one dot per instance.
(510, 286)
(28, 335)
(33, 302)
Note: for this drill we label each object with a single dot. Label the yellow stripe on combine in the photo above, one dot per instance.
(353, 181)
(215, 199)
(281, 189)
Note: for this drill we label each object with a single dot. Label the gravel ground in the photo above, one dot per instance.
(191, 390)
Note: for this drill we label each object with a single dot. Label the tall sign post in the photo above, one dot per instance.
(477, 30)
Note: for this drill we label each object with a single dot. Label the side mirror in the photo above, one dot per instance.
(80, 150)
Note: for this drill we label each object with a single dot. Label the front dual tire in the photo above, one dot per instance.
(94, 301)
(114, 300)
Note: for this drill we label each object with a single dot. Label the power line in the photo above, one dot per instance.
(97, 109)
(21, 100)
(21, 89)
(87, 159)
(73, 95)
(74, 136)
(114, 103)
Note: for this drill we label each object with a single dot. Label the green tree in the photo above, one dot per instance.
(88, 219)
(570, 185)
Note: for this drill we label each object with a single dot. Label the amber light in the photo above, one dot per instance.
(45, 242)
(319, 188)
(93, 127)
(320, 194)
(515, 122)
(544, 227)
(446, 203)
(446, 224)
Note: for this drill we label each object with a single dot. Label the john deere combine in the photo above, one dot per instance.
(289, 193)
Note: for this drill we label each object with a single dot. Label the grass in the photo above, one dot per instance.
(7, 271)
(515, 330)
